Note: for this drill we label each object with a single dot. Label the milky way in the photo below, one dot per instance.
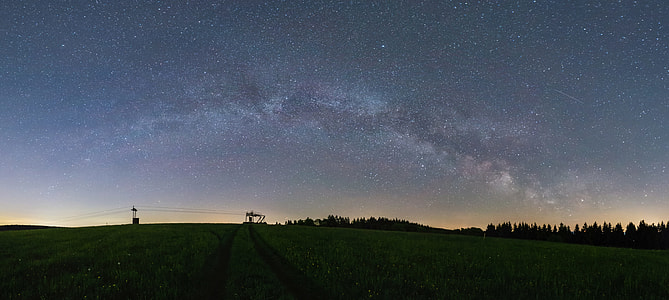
(445, 113)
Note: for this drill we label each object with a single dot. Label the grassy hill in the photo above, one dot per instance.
(229, 261)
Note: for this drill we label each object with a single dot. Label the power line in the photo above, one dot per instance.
(188, 210)
(93, 214)
(124, 209)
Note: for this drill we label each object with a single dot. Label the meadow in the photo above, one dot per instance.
(228, 261)
(110, 262)
(356, 264)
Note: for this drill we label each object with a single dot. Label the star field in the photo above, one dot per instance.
(445, 113)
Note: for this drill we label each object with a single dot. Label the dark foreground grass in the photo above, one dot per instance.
(357, 264)
(207, 261)
(249, 276)
(112, 262)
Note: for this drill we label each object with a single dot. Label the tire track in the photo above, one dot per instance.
(249, 276)
(216, 272)
(297, 283)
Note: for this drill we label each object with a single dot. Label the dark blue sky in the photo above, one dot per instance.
(445, 113)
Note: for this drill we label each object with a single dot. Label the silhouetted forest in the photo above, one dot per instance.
(23, 227)
(380, 223)
(643, 236)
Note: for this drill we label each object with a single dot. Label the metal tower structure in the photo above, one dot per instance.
(135, 219)
(250, 215)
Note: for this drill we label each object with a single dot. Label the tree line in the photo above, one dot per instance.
(643, 236)
(380, 223)
(23, 227)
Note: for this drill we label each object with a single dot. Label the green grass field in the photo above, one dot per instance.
(226, 261)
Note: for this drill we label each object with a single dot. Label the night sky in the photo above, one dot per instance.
(450, 114)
